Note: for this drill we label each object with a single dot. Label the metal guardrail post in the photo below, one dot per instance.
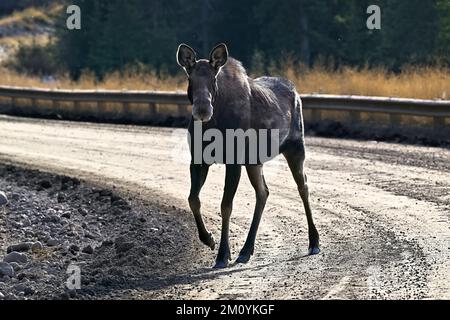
(13, 103)
(395, 119)
(152, 110)
(126, 110)
(316, 115)
(101, 107)
(355, 116)
(438, 122)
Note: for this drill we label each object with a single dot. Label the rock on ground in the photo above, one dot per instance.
(3, 198)
(54, 225)
(15, 257)
(6, 270)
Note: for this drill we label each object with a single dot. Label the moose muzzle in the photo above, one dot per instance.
(202, 109)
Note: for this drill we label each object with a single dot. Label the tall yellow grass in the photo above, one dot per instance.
(113, 81)
(27, 17)
(413, 82)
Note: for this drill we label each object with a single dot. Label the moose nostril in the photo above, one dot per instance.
(202, 112)
(203, 116)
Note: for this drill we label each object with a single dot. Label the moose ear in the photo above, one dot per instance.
(219, 56)
(186, 57)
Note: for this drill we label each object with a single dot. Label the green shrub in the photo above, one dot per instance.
(34, 59)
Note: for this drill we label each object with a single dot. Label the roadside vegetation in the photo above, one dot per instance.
(33, 25)
(413, 82)
(34, 52)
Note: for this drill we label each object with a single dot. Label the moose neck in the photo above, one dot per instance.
(233, 90)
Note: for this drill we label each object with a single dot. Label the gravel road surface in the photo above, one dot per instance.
(382, 209)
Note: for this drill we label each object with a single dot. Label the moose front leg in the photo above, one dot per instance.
(232, 177)
(255, 174)
(199, 173)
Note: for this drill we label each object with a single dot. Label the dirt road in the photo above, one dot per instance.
(382, 209)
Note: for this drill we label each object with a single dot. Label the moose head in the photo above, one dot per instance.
(202, 76)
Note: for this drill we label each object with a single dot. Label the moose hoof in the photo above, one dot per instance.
(243, 258)
(221, 264)
(313, 251)
(209, 241)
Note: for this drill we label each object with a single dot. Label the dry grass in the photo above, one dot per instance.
(26, 18)
(23, 27)
(413, 82)
(31, 17)
(114, 81)
(15, 41)
(421, 83)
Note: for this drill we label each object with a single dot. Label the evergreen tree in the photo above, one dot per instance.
(409, 32)
(443, 42)
(117, 33)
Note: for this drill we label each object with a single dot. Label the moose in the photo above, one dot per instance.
(223, 97)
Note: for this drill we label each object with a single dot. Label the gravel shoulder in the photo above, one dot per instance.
(54, 223)
(382, 209)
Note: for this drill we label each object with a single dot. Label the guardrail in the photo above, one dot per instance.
(161, 105)
(95, 95)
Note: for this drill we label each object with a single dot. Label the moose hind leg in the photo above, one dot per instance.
(295, 161)
(198, 177)
(233, 175)
(256, 177)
